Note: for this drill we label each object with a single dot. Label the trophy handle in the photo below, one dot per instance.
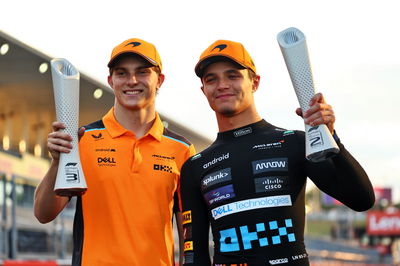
(320, 144)
(70, 180)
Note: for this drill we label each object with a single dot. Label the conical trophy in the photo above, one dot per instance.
(70, 179)
(320, 144)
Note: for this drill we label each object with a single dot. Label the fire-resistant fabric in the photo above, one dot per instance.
(125, 217)
(249, 185)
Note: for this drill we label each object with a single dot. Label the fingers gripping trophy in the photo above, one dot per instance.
(320, 144)
(70, 180)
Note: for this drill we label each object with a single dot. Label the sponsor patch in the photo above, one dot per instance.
(216, 160)
(300, 256)
(164, 168)
(197, 156)
(266, 146)
(189, 257)
(188, 245)
(219, 194)
(162, 157)
(288, 132)
(106, 149)
(268, 165)
(216, 177)
(97, 137)
(279, 261)
(106, 161)
(187, 217)
(270, 183)
(271, 233)
(242, 132)
(251, 204)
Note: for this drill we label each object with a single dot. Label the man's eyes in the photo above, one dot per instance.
(144, 71)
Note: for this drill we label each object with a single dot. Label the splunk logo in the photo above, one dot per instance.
(268, 165)
(215, 160)
(216, 177)
(260, 235)
(219, 194)
(251, 204)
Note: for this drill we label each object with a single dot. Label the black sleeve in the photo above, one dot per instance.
(195, 219)
(343, 178)
(176, 207)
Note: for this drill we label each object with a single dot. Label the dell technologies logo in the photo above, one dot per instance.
(106, 161)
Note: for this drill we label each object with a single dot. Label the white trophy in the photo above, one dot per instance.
(320, 144)
(70, 179)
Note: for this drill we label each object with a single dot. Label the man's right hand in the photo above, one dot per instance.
(58, 141)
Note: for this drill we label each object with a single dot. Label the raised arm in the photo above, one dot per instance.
(342, 177)
(47, 205)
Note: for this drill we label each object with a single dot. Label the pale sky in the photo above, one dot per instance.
(353, 47)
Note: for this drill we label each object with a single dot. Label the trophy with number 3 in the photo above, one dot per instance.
(320, 144)
(70, 179)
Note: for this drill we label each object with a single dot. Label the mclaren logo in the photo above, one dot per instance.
(134, 44)
(220, 47)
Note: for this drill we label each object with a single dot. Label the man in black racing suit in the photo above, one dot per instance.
(250, 183)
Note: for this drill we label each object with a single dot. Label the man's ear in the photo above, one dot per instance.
(202, 88)
(161, 78)
(110, 82)
(256, 83)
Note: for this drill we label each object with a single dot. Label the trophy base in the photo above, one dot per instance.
(322, 155)
(70, 192)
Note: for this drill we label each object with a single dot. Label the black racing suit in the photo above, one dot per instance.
(250, 186)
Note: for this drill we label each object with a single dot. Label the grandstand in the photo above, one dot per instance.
(26, 114)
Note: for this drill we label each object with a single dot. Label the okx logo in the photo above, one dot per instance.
(160, 167)
(264, 234)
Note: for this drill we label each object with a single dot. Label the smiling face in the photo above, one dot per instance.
(228, 88)
(135, 83)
